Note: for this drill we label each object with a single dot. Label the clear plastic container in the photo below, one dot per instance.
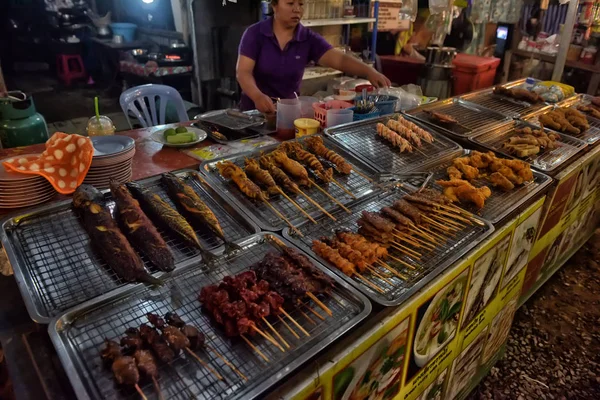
(288, 110)
(339, 117)
(100, 126)
(306, 106)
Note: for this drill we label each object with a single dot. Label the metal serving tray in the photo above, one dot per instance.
(361, 139)
(547, 161)
(473, 118)
(503, 104)
(231, 120)
(500, 203)
(79, 334)
(589, 136)
(432, 263)
(264, 216)
(57, 269)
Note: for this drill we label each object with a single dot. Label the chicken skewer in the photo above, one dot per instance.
(295, 150)
(263, 177)
(287, 183)
(395, 139)
(231, 171)
(124, 368)
(405, 132)
(423, 134)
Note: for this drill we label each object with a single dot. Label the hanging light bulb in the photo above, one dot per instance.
(148, 1)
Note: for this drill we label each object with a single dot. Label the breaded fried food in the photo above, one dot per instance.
(501, 182)
(468, 171)
(453, 172)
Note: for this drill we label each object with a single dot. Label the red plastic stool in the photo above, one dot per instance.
(69, 67)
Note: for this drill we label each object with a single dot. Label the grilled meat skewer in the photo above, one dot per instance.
(110, 352)
(106, 237)
(140, 230)
(279, 176)
(315, 145)
(229, 170)
(189, 200)
(153, 339)
(261, 176)
(291, 167)
(132, 340)
(146, 364)
(126, 371)
(167, 217)
(295, 150)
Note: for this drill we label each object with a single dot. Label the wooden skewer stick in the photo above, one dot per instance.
(392, 270)
(139, 390)
(316, 314)
(419, 241)
(457, 225)
(377, 274)
(423, 241)
(419, 150)
(308, 318)
(362, 175)
(453, 215)
(330, 196)
(249, 343)
(422, 234)
(425, 231)
(230, 365)
(406, 250)
(157, 388)
(336, 299)
(446, 223)
(293, 332)
(401, 261)
(407, 240)
(280, 215)
(270, 339)
(320, 303)
(317, 205)
(369, 283)
(204, 364)
(276, 333)
(281, 192)
(436, 224)
(294, 321)
(349, 193)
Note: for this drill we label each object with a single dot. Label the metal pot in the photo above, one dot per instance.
(440, 55)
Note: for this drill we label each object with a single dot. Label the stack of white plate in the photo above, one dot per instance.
(21, 190)
(113, 156)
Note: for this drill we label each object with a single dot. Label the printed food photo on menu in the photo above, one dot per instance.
(499, 329)
(435, 391)
(593, 174)
(437, 323)
(551, 257)
(485, 279)
(377, 373)
(465, 366)
(522, 241)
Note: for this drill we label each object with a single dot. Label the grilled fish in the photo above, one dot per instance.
(189, 200)
(168, 218)
(139, 229)
(106, 237)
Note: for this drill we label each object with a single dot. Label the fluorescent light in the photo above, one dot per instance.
(148, 1)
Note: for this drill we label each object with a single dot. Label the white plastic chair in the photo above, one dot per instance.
(141, 102)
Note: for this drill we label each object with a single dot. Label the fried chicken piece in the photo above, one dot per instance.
(549, 122)
(590, 110)
(501, 182)
(453, 172)
(521, 168)
(468, 171)
(478, 160)
(477, 196)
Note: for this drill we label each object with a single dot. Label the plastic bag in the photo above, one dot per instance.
(409, 10)
(406, 100)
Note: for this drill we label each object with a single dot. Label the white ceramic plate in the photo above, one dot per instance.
(159, 136)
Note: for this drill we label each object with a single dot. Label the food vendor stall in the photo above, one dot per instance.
(382, 258)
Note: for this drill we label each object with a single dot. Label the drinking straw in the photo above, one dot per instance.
(97, 109)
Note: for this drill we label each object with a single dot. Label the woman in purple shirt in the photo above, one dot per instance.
(274, 52)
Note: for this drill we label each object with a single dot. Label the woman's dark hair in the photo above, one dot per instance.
(270, 11)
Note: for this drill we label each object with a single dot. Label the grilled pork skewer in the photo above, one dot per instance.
(422, 133)
(124, 368)
(405, 132)
(140, 230)
(106, 237)
(189, 200)
(167, 217)
(395, 139)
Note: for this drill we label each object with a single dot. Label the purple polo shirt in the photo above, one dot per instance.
(278, 73)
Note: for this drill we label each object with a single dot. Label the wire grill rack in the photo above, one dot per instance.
(546, 161)
(502, 104)
(362, 140)
(590, 136)
(57, 269)
(79, 334)
(472, 119)
(224, 119)
(431, 264)
(495, 208)
(264, 216)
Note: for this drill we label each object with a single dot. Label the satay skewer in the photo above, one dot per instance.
(314, 312)
(256, 349)
(436, 224)
(377, 274)
(320, 303)
(309, 319)
(293, 332)
(230, 365)
(203, 363)
(401, 262)
(450, 222)
(294, 321)
(140, 391)
(270, 339)
(453, 215)
(406, 240)
(420, 241)
(426, 231)
(316, 204)
(330, 196)
(369, 283)
(286, 344)
(281, 216)
(406, 251)
(392, 270)
(281, 192)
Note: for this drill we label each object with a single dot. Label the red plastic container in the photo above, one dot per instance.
(473, 72)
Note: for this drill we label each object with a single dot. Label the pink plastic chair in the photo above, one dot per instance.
(141, 101)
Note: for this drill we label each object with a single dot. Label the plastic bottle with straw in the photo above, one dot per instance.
(99, 125)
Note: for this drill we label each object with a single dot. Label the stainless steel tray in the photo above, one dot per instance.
(473, 118)
(229, 120)
(500, 203)
(432, 263)
(360, 138)
(78, 335)
(57, 269)
(503, 104)
(589, 136)
(264, 216)
(547, 161)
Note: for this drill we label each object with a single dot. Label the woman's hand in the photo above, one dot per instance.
(378, 80)
(264, 104)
